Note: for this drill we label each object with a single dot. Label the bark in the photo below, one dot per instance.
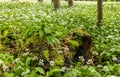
(100, 13)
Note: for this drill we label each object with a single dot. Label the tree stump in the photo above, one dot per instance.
(85, 48)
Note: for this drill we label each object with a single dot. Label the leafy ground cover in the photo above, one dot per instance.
(31, 35)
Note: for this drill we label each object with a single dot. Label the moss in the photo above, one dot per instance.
(79, 32)
(73, 43)
(59, 60)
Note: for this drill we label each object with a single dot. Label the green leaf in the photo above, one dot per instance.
(49, 40)
(56, 40)
(5, 33)
(53, 70)
(41, 33)
(59, 60)
(21, 42)
(6, 74)
(39, 69)
(73, 73)
(46, 54)
(73, 43)
(28, 61)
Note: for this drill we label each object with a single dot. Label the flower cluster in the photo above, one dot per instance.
(25, 54)
(41, 62)
(4, 67)
(90, 61)
(25, 73)
(81, 58)
(52, 63)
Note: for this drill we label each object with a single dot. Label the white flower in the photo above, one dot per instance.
(52, 63)
(35, 58)
(25, 54)
(61, 61)
(25, 73)
(17, 59)
(113, 76)
(66, 49)
(106, 68)
(117, 38)
(48, 16)
(116, 30)
(19, 67)
(27, 49)
(92, 71)
(112, 49)
(60, 52)
(90, 61)
(41, 62)
(82, 26)
(114, 58)
(81, 58)
(100, 66)
(110, 36)
(5, 68)
(63, 68)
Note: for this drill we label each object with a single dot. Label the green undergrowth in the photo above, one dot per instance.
(32, 34)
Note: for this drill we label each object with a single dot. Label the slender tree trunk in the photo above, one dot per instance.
(52, 1)
(13, 0)
(100, 13)
(40, 0)
(56, 4)
(70, 3)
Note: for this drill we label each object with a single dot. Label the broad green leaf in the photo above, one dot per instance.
(6, 74)
(5, 33)
(46, 54)
(41, 33)
(39, 69)
(53, 70)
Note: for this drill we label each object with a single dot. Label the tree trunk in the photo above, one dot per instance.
(40, 0)
(70, 3)
(13, 0)
(100, 13)
(56, 4)
(52, 1)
